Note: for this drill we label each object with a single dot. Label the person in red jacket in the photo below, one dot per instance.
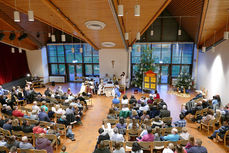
(17, 113)
(37, 129)
(156, 95)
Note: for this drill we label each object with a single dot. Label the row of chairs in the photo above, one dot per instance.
(5, 149)
(115, 121)
(31, 136)
(146, 146)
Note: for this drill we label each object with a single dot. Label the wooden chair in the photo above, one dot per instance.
(204, 111)
(62, 129)
(107, 144)
(6, 132)
(132, 133)
(146, 146)
(199, 112)
(53, 139)
(158, 146)
(128, 145)
(183, 142)
(111, 121)
(112, 143)
(18, 134)
(4, 148)
(208, 125)
(45, 124)
(166, 131)
(25, 150)
(167, 119)
(20, 102)
(40, 151)
(224, 140)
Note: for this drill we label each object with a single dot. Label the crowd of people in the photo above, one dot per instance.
(46, 107)
(145, 114)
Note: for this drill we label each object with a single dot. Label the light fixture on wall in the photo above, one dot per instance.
(137, 10)
(120, 9)
(20, 50)
(138, 36)
(126, 36)
(179, 30)
(12, 50)
(30, 13)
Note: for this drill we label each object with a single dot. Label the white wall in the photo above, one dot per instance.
(37, 61)
(120, 56)
(213, 71)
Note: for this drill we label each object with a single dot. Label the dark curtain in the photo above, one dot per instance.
(12, 65)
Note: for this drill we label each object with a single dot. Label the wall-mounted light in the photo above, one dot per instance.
(13, 50)
(20, 50)
(225, 36)
(126, 36)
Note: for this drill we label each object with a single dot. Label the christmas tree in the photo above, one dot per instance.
(146, 64)
(184, 80)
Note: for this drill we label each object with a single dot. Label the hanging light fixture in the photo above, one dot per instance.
(226, 33)
(137, 10)
(130, 49)
(30, 13)
(126, 36)
(179, 30)
(20, 50)
(138, 36)
(63, 37)
(120, 9)
(81, 49)
(16, 13)
(49, 34)
(213, 46)
(53, 38)
(73, 49)
(203, 49)
(152, 32)
(139, 48)
(13, 50)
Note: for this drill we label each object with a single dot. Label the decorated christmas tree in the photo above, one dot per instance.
(184, 80)
(146, 64)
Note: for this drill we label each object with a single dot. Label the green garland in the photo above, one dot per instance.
(146, 64)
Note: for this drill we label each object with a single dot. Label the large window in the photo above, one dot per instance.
(176, 57)
(63, 60)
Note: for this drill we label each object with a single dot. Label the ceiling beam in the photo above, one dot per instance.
(112, 7)
(166, 3)
(67, 20)
(17, 27)
(202, 21)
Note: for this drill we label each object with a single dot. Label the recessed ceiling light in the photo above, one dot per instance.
(108, 44)
(95, 25)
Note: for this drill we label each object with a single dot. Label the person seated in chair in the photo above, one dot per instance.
(43, 116)
(221, 131)
(198, 148)
(3, 91)
(26, 127)
(25, 144)
(116, 100)
(17, 113)
(174, 136)
(121, 126)
(164, 112)
(181, 122)
(38, 129)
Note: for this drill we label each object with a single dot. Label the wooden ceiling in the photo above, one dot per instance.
(200, 19)
(71, 16)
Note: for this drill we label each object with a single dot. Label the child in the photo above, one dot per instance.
(63, 149)
(184, 135)
(190, 143)
(69, 133)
